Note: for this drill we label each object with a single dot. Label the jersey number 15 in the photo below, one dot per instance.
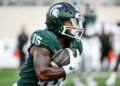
(36, 39)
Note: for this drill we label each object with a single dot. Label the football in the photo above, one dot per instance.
(62, 57)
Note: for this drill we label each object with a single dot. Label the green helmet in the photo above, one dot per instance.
(60, 12)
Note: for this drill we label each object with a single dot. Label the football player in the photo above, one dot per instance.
(111, 81)
(63, 30)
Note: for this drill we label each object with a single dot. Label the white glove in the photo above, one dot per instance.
(74, 62)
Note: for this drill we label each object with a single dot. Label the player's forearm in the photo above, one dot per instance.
(43, 68)
(51, 73)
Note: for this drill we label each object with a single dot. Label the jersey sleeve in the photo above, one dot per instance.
(44, 39)
(77, 45)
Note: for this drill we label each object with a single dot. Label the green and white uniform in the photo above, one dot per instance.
(45, 39)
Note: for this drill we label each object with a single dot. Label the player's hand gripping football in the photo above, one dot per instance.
(75, 61)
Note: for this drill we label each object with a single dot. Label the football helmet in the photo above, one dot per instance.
(60, 12)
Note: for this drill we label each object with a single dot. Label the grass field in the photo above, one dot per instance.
(99, 77)
(8, 77)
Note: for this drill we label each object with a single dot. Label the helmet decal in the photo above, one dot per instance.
(55, 12)
(55, 7)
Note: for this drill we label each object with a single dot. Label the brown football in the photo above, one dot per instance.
(62, 57)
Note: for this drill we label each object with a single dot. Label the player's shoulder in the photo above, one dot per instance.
(45, 38)
(44, 34)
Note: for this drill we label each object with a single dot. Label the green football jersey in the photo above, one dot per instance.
(45, 39)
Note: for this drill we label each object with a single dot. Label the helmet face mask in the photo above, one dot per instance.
(61, 12)
(74, 31)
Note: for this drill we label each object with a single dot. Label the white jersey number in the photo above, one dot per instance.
(36, 39)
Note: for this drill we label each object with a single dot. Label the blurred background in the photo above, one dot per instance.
(101, 39)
